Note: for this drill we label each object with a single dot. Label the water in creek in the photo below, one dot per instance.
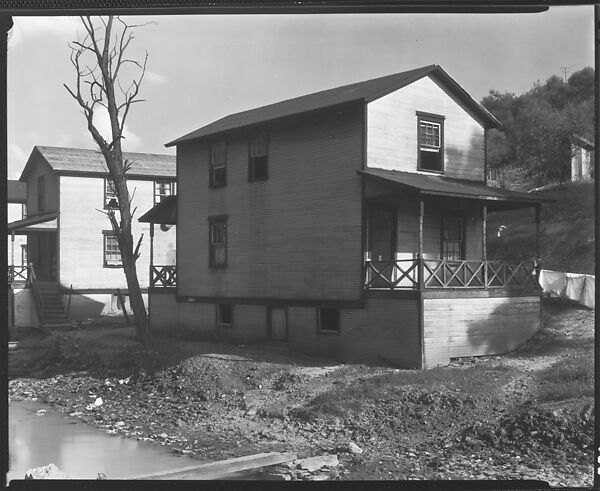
(78, 449)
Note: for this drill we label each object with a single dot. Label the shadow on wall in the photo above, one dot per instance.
(83, 307)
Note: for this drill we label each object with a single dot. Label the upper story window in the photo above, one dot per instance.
(218, 164)
(431, 142)
(453, 234)
(41, 194)
(258, 163)
(162, 189)
(218, 242)
(111, 201)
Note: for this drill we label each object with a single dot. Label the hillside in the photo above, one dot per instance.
(567, 231)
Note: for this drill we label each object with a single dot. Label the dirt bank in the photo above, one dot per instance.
(525, 415)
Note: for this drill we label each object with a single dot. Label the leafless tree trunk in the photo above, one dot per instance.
(99, 57)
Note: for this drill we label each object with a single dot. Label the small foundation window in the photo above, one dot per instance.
(224, 315)
(329, 320)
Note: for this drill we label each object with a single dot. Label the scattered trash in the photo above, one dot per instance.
(40, 412)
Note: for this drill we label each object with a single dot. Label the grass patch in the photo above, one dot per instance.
(570, 378)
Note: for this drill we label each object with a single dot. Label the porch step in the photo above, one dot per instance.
(53, 309)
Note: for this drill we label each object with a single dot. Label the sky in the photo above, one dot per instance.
(203, 67)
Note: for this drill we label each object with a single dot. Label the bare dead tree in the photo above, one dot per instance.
(100, 59)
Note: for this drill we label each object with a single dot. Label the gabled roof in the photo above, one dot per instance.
(16, 191)
(164, 212)
(455, 188)
(366, 91)
(84, 161)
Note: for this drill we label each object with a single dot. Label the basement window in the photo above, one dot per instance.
(224, 315)
(329, 320)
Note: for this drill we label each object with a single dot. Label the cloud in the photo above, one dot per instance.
(155, 78)
(34, 27)
(131, 141)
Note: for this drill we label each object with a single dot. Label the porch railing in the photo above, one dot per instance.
(163, 276)
(18, 274)
(415, 274)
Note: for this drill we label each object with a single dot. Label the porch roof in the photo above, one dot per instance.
(164, 212)
(499, 199)
(39, 223)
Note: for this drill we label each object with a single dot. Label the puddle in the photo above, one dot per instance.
(80, 450)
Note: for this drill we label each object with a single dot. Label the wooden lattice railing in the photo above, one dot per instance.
(18, 274)
(430, 274)
(163, 276)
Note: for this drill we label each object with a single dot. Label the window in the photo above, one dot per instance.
(41, 193)
(453, 238)
(111, 201)
(218, 164)
(431, 142)
(112, 253)
(258, 164)
(23, 254)
(162, 189)
(24, 210)
(218, 242)
(329, 320)
(224, 315)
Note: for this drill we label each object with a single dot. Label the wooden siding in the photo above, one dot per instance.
(392, 131)
(81, 241)
(40, 168)
(455, 327)
(296, 234)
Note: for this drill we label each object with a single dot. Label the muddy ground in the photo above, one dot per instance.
(523, 415)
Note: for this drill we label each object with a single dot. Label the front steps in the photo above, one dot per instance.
(53, 310)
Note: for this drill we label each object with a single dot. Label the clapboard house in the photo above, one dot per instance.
(349, 223)
(73, 264)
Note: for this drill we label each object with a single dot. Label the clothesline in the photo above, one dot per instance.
(578, 287)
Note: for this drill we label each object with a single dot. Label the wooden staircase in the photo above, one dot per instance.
(53, 311)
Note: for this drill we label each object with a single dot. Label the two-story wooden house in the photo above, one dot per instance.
(72, 251)
(349, 222)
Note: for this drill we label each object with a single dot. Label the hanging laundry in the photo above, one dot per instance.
(553, 281)
(588, 297)
(575, 284)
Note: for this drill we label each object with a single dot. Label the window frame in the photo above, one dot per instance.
(435, 119)
(108, 197)
(463, 236)
(219, 315)
(212, 221)
(23, 211)
(105, 235)
(252, 158)
(320, 328)
(214, 166)
(41, 194)
(171, 189)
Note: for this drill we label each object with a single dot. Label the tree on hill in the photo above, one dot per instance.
(107, 79)
(539, 126)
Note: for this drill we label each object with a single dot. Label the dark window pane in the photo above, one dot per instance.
(224, 314)
(259, 168)
(329, 319)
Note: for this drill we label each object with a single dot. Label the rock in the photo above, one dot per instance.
(353, 448)
(276, 477)
(319, 477)
(312, 464)
(49, 471)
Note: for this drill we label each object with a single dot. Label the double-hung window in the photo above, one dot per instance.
(112, 252)
(162, 189)
(218, 242)
(258, 162)
(111, 200)
(431, 142)
(218, 164)
(453, 234)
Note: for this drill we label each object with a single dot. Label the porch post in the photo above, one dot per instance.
(484, 244)
(420, 256)
(151, 252)
(538, 214)
(12, 248)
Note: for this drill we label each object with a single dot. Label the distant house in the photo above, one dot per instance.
(71, 250)
(349, 223)
(582, 159)
(16, 197)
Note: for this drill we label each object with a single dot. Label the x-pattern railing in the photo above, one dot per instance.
(18, 274)
(429, 274)
(163, 276)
